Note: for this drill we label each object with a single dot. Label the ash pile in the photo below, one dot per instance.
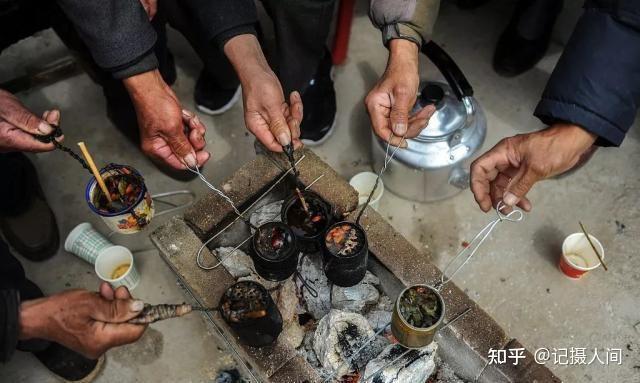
(343, 332)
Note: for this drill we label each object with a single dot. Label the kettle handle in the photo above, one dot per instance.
(449, 69)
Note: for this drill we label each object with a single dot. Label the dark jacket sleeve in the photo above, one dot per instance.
(220, 20)
(117, 32)
(596, 83)
(9, 309)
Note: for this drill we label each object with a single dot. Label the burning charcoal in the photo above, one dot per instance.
(420, 307)
(414, 367)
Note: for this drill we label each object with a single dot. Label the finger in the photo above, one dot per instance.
(17, 115)
(202, 157)
(53, 117)
(117, 310)
(418, 122)
(381, 128)
(19, 140)
(484, 170)
(497, 188)
(278, 127)
(508, 174)
(122, 293)
(402, 102)
(297, 144)
(113, 335)
(267, 139)
(193, 121)
(181, 147)
(106, 291)
(520, 185)
(296, 114)
(197, 140)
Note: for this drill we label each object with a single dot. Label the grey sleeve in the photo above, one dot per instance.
(404, 19)
(117, 33)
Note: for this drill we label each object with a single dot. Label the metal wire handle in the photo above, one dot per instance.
(515, 215)
(387, 160)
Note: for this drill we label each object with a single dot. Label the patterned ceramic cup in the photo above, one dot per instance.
(115, 265)
(134, 218)
(85, 242)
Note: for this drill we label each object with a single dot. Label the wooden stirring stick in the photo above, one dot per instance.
(593, 246)
(94, 170)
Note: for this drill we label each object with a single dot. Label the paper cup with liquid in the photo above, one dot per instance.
(115, 265)
(132, 206)
(578, 257)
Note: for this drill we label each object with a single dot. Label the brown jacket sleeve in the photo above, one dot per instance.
(404, 19)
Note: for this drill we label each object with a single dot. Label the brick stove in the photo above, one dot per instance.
(464, 345)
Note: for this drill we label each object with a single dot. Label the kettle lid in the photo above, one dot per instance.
(451, 113)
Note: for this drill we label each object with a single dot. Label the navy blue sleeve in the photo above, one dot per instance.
(596, 83)
(220, 20)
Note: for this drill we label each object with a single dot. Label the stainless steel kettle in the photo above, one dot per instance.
(435, 164)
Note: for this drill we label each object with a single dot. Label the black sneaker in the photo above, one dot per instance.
(211, 99)
(526, 39)
(68, 364)
(319, 101)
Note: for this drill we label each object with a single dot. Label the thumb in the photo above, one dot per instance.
(279, 127)
(20, 117)
(117, 310)
(180, 146)
(519, 186)
(401, 105)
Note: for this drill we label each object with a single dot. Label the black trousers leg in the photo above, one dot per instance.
(302, 29)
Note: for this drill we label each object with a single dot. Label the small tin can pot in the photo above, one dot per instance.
(292, 213)
(269, 264)
(248, 309)
(132, 219)
(410, 336)
(346, 270)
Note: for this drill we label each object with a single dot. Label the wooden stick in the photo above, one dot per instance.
(94, 170)
(593, 246)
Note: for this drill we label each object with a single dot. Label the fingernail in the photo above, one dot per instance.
(196, 120)
(186, 113)
(44, 128)
(190, 160)
(400, 129)
(283, 139)
(510, 199)
(136, 305)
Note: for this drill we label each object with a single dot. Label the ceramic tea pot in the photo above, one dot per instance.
(435, 164)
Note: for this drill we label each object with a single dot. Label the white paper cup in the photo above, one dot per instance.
(578, 257)
(85, 242)
(110, 259)
(363, 183)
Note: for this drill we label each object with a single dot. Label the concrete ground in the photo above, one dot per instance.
(514, 277)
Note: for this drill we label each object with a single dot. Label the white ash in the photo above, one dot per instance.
(355, 298)
(267, 213)
(311, 270)
(307, 350)
(238, 263)
(378, 319)
(445, 374)
(416, 366)
(385, 304)
(340, 342)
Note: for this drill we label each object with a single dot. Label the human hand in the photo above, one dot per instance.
(86, 322)
(509, 170)
(151, 7)
(267, 115)
(162, 123)
(17, 124)
(389, 103)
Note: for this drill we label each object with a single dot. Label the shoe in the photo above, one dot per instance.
(212, 100)
(69, 365)
(28, 225)
(526, 39)
(319, 100)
